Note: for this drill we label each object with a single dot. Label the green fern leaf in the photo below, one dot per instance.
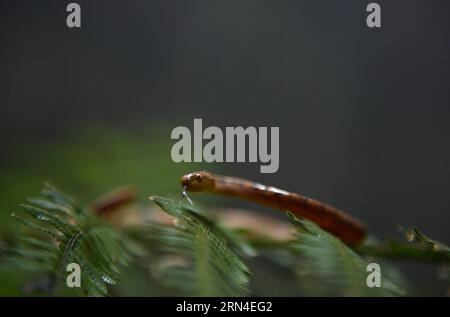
(428, 243)
(205, 262)
(64, 233)
(327, 267)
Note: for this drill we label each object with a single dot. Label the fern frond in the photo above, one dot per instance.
(205, 262)
(64, 233)
(327, 267)
(420, 248)
(428, 243)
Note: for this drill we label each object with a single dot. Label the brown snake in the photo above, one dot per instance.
(348, 229)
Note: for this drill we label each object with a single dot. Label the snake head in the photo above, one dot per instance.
(197, 181)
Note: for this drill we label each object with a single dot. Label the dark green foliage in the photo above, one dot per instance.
(419, 248)
(328, 267)
(428, 244)
(63, 233)
(205, 261)
(195, 256)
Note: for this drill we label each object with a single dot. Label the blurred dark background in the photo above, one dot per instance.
(363, 113)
